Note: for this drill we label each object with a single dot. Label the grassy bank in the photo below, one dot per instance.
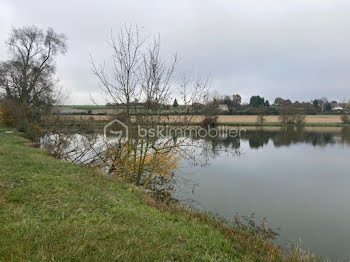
(56, 211)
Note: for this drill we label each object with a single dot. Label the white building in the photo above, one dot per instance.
(336, 108)
(223, 107)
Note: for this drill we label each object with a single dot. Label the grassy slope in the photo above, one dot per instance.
(51, 210)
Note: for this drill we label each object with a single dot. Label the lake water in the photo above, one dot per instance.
(298, 179)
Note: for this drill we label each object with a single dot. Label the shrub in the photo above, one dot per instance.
(33, 132)
(291, 115)
(209, 122)
(122, 116)
(260, 116)
(300, 119)
(6, 115)
(249, 224)
(345, 119)
(260, 120)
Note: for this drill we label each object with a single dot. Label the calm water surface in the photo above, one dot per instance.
(298, 179)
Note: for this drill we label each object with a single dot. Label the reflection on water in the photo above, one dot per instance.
(298, 178)
(283, 136)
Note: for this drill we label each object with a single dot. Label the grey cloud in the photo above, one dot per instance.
(296, 49)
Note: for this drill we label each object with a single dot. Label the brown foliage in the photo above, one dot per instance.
(209, 121)
(292, 115)
(6, 115)
(345, 119)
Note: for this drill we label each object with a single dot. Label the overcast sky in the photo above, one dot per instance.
(296, 49)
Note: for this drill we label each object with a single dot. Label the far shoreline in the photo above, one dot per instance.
(223, 120)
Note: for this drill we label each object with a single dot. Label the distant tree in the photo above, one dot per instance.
(260, 116)
(175, 104)
(328, 107)
(347, 106)
(236, 100)
(315, 103)
(279, 101)
(267, 103)
(211, 108)
(292, 115)
(309, 108)
(256, 101)
(211, 111)
(227, 101)
(287, 102)
(345, 119)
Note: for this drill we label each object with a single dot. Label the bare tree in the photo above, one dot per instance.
(139, 72)
(292, 115)
(260, 120)
(122, 84)
(194, 90)
(28, 76)
(155, 76)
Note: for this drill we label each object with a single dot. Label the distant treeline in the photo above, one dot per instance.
(226, 105)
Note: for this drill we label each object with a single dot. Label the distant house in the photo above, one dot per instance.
(338, 108)
(223, 107)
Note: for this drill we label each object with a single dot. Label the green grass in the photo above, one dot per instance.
(56, 211)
